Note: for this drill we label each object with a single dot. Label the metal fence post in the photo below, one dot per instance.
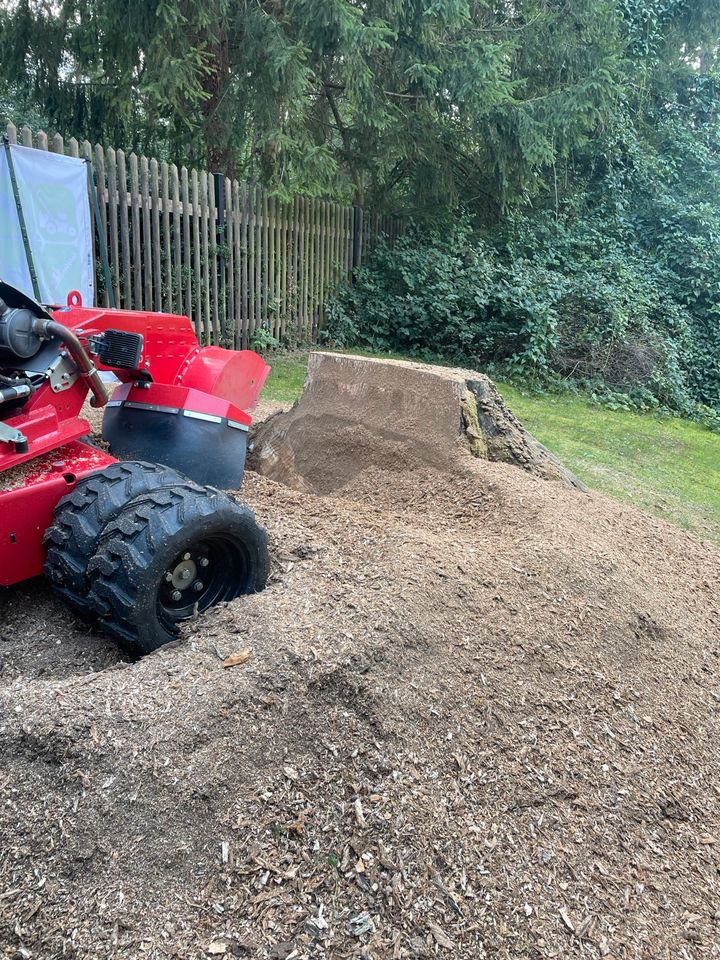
(21, 219)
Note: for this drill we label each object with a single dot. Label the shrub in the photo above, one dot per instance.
(545, 300)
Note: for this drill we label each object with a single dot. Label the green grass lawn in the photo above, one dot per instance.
(285, 383)
(669, 467)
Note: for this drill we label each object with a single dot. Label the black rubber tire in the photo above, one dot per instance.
(82, 515)
(150, 538)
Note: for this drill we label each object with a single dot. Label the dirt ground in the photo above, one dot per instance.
(479, 719)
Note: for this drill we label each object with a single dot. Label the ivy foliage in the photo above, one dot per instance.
(623, 301)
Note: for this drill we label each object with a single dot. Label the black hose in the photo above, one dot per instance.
(15, 393)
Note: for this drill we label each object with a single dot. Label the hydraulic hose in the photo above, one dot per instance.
(8, 394)
(50, 328)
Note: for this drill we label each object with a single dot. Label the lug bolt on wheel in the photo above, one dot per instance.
(198, 585)
(176, 595)
(203, 561)
(168, 577)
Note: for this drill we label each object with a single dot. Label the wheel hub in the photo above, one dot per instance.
(206, 572)
(184, 573)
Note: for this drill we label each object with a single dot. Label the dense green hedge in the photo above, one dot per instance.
(548, 302)
(616, 290)
(606, 273)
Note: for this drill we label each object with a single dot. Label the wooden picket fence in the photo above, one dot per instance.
(229, 255)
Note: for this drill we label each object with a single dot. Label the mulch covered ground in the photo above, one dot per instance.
(478, 718)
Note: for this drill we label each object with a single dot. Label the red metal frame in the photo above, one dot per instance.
(26, 510)
(183, 374)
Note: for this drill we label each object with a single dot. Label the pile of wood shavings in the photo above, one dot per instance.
(479, 719)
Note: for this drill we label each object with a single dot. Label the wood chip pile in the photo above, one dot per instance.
(475, 714)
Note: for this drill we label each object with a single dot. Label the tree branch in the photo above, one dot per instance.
(342, 129)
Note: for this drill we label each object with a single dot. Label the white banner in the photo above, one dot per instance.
(54, 194)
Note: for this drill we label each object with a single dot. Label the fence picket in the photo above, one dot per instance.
(101, 197)
(113, 203)
(186, 287)
(212, 261)
(146, 234)
(271, 312)
(228, 314)
(321, 268)
(153, 202)
(124, 229)
(246, 265)
(257, 319)
(300, 250)
(284, 267)
(164, 248)
(250, 265)
(205, 240)
(312, 263)
(196, 254)
(329, 286)
(317, 226)
(237, 260)
(175, 294)
(294, 305)
(264, 275)
(347, 237)
(135, 216)
(227, 254)
(340, 243)
(306, 205)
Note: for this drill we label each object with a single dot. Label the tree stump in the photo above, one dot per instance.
(359, 412)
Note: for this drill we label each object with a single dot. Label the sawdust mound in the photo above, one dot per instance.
(480, 719)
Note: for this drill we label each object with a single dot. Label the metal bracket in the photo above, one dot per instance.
(11, 435)
(62, 373)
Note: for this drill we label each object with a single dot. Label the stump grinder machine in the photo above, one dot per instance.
(139, 536)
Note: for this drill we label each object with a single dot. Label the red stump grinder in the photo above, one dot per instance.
(139, 537)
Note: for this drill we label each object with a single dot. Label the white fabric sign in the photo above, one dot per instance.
(54, 194)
